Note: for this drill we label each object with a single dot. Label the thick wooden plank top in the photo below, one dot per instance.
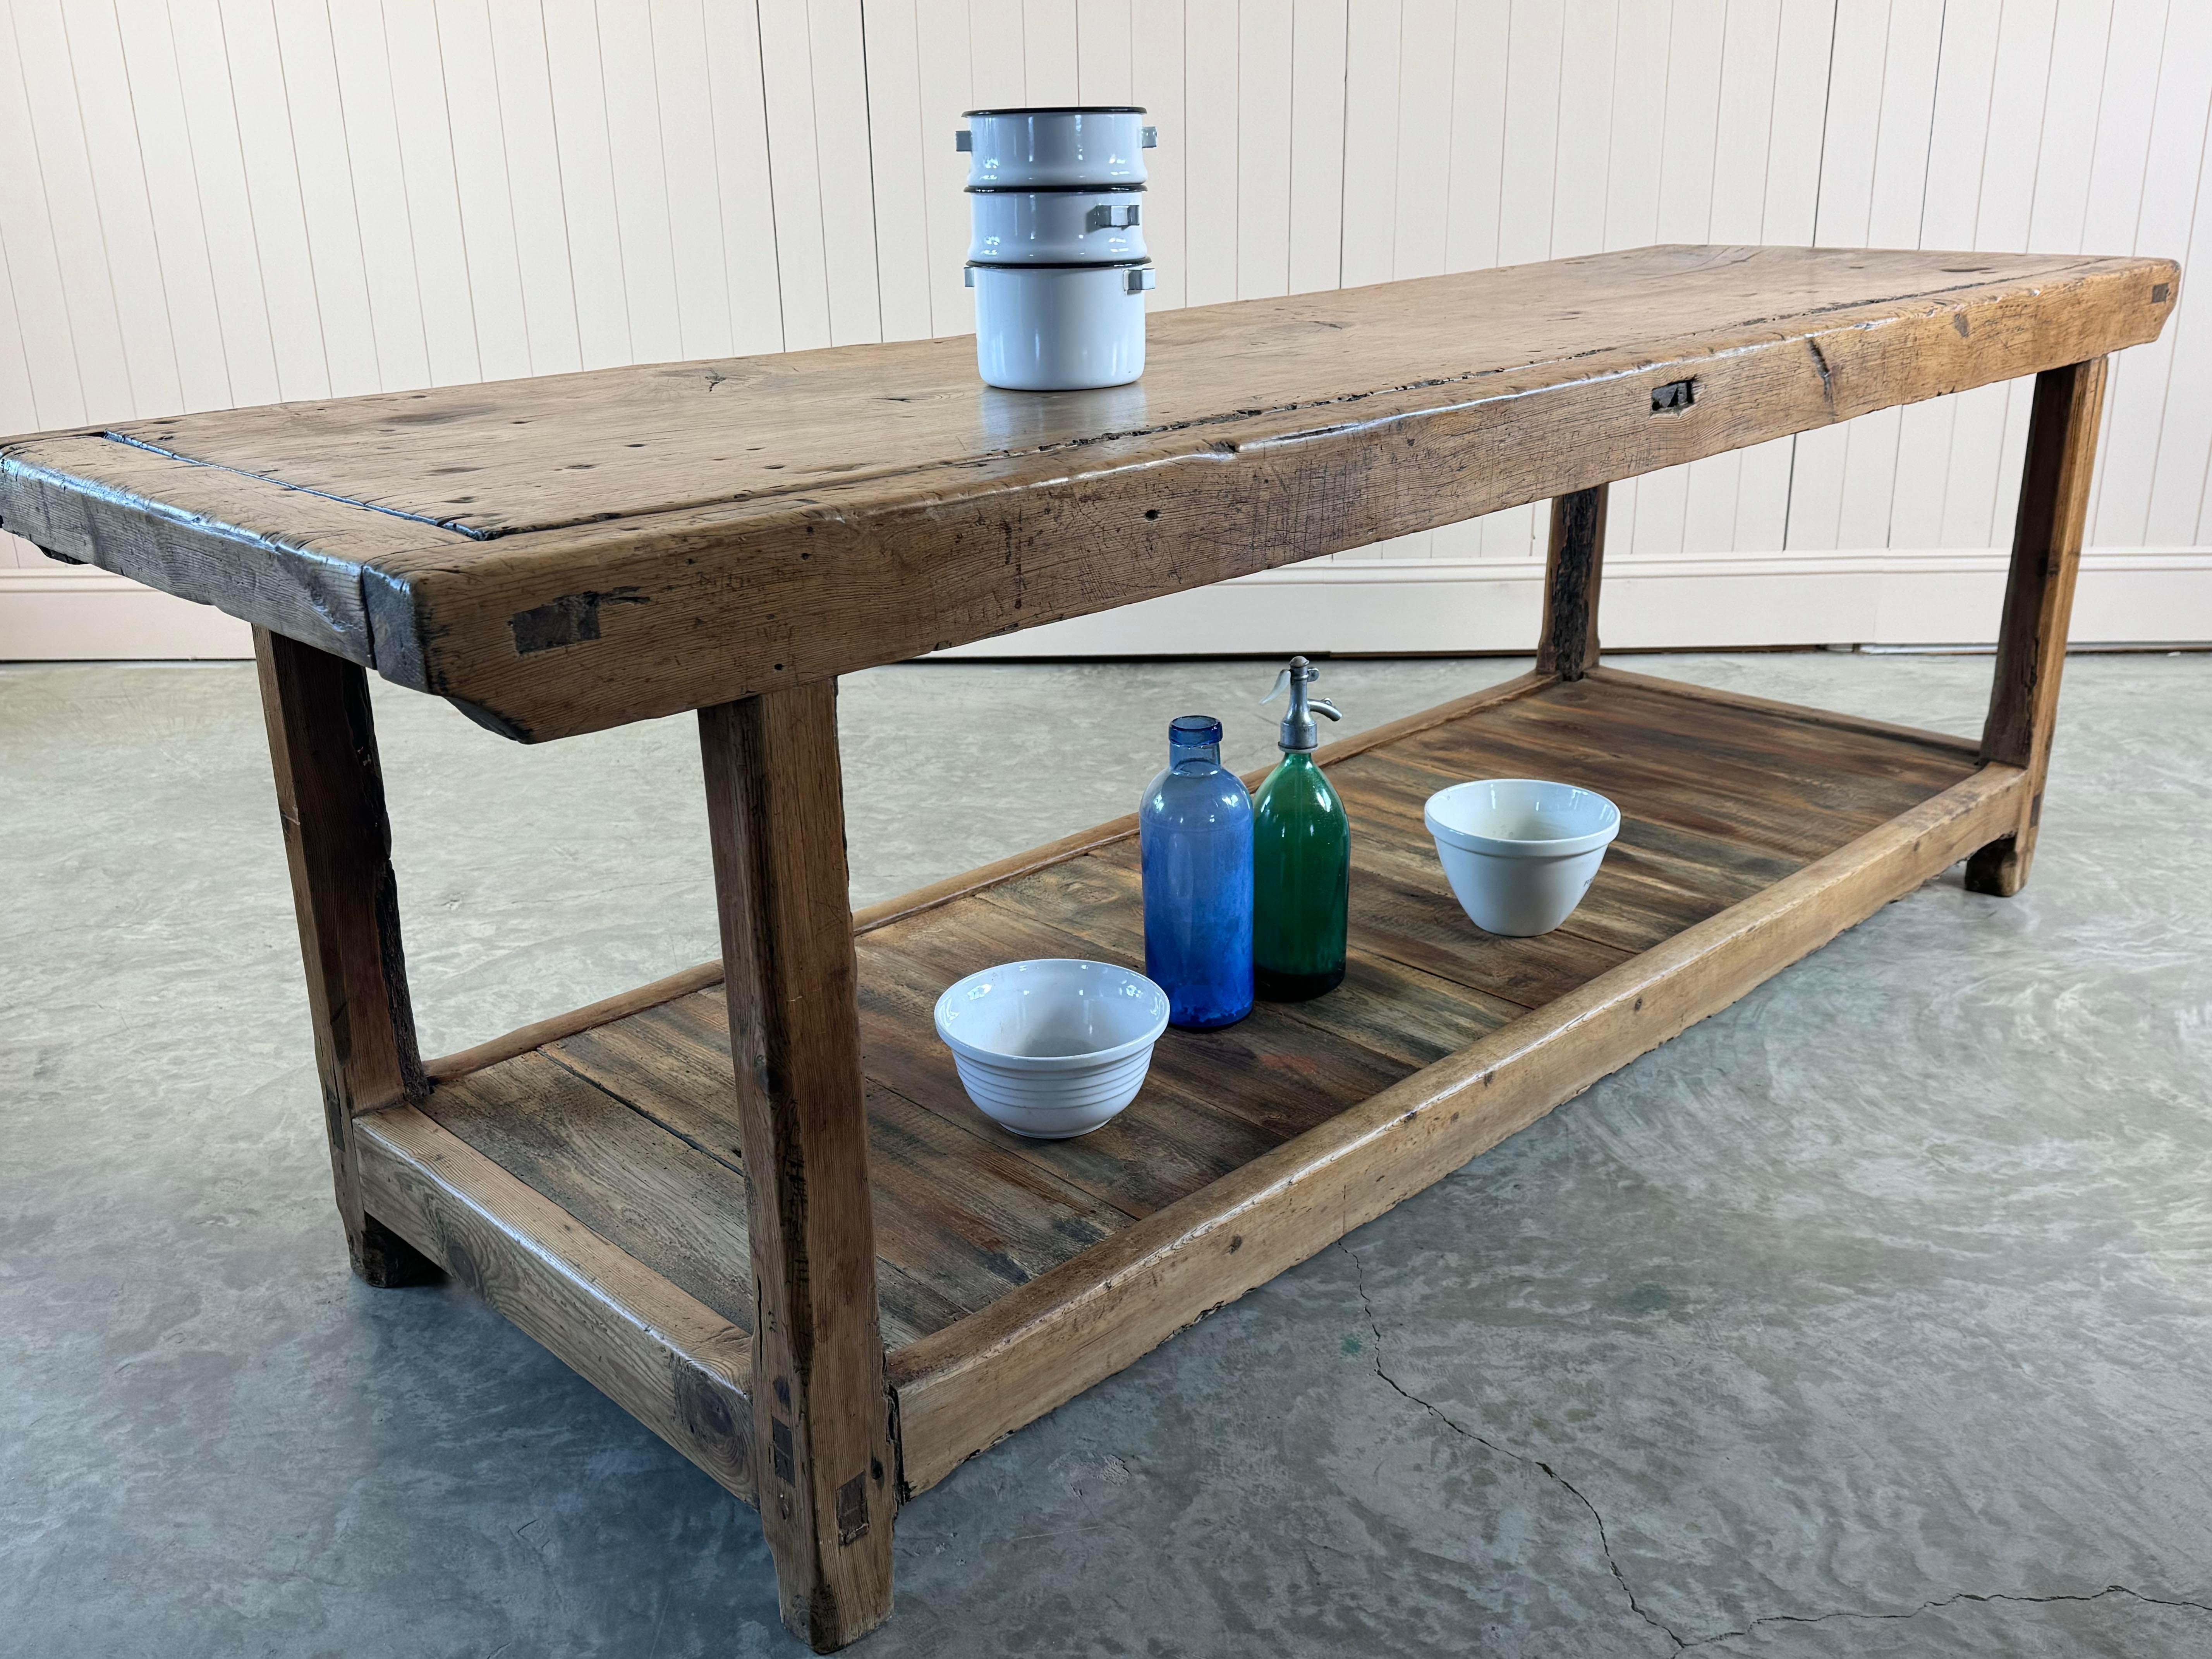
(569, 553)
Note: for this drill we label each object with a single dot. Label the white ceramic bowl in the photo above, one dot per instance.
(1055, 1048)
(1056, 227)
(1520, 852)
(1046, 148)
(1059, 328)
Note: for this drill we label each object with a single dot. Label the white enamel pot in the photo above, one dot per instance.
(1520, 852)
(1057, 227)
(1049, 148)
(1059, 328)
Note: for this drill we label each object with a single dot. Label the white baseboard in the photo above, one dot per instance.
(2127, 596)
(73, 613)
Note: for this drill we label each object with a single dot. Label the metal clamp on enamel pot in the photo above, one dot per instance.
(1057, 255)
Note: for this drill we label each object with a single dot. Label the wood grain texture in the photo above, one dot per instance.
(338, 846)
(1574, 566)
(672, 1363)
(1794, 713)
(967, 1387)
(776, 824)
(2046, 557)
(660, 538)
(650, 1195)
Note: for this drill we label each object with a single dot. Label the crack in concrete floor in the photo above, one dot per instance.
(1681, 1642)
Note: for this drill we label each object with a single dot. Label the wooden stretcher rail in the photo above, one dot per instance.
(676, 1365)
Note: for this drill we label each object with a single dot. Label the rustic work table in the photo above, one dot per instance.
(819, 1273)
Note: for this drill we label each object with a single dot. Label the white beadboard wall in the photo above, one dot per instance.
(209, 202)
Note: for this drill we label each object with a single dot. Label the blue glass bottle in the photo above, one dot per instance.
(1194, 829)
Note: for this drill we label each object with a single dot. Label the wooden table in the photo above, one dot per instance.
(819, 1273)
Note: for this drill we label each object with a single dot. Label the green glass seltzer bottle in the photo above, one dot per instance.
(1301, 858)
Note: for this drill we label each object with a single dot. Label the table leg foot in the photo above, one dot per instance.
(382, 1258)
(1999, 869)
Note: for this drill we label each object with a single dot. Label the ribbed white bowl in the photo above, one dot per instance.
(1052, 1049)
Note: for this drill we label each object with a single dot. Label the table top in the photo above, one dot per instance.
(568, 553)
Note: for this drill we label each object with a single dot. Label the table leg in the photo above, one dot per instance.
(1572, 566)
(2046, 554)
(821, 1411)
(338, 841)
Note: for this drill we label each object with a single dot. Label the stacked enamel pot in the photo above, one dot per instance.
(1057, 257)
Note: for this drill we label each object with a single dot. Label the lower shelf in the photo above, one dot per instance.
(591, 1184)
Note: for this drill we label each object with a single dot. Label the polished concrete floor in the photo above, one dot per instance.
(1871, 1316)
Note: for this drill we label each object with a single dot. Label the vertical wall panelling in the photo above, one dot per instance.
(39, 303)
(1050, 51)
(93, 53)
(215, 202)
(1844, 209)
(943, 92)
(1950, 201)
(1478, 156)
(1581, 173)
(378, 176)
(1319, 38)
(899, 175)
(998, 38)
(642, 181)
(162, 142)
(692, 197)
(56, 153)
(1265, 36)
(837, 53)
(530, 142)
(324, 165)
(416, 77)
(1370, 140)
(2184, 431)
(794, 174)
(1101, 51)
(2013, 130)
(1421, 229)
(463, 34)
(1210, 129)
(1535, 40)
(1743, 118)
(1155, 82)
(1896, 195)
(2135, 427)
(2119, 161)
(1696, 41)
